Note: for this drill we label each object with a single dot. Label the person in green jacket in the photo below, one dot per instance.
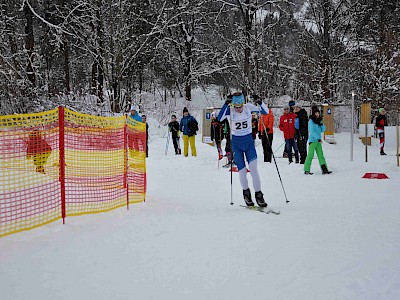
(315, 129)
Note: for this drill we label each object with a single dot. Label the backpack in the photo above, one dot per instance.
(193, 126)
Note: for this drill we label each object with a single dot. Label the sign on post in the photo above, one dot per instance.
(206, 129)
(329, 123)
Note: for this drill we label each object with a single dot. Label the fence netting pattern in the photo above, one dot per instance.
(62, 163)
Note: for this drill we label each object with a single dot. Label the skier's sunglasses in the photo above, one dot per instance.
(238, 106)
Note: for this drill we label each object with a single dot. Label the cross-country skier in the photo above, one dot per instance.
(243, 143)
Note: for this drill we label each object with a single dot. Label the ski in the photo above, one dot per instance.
(265, 210)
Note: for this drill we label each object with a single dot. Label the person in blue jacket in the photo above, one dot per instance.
(315, 129)
(188, 126)
(134, 114)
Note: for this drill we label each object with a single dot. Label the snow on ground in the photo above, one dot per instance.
(338, 238)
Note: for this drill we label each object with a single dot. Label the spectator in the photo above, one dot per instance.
(301, 131)
(188, 127)
(216, 133)
(286, 124)
(175, 133)
(266, 124)
(134, 114)
(254, 125)
(38, 150)
(144, 119)
(380, 124)
(315, 130)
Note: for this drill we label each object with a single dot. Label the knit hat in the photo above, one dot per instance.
(185, 110)
(297, 105)
(292, 103)
(381, 110)
(134, 107)
(315, 109)
(286, 107)
(238, 99)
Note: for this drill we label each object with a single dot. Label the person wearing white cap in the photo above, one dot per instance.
(134, 114)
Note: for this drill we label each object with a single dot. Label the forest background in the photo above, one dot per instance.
(100, 56)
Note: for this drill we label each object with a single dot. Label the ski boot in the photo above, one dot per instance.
(260, 199)
(383, 153)
(325, 170)
(247, 197)
(308, 173)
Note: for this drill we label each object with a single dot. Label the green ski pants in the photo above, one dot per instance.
(317, 147)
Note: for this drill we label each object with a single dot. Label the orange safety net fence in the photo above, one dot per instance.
(62, 163)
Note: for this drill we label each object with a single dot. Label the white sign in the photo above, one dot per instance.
(207, 139)
(370, 130)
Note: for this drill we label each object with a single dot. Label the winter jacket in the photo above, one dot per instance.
(216, 131)
(302, 121)
(381, 122)
(315, 129)
(183, 127)
(286, 124)
(38, 149)
(136, 117)
(266, 121)
(174, 128)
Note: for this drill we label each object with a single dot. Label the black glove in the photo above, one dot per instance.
(259, 135)
(259, 102)
(267, 129)
(228, 101)
(309, 143)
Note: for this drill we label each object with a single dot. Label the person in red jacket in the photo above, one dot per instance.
(266, 124)
(380, 124)
(38, 149)
(286, 124)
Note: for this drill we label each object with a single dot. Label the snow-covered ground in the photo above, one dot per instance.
(338, 238)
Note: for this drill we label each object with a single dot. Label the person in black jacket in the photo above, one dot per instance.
(174, 129)
(216, 133)
(144, 120)
(301, 131)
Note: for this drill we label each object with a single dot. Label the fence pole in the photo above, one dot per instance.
(61, 146)
(126, 186)
(352, 128)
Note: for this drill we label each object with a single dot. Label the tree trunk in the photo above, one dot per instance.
(67, 83)
(188, 74)
(29, 44)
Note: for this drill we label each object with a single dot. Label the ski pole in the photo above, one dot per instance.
(276, 165)
(230, 136)
(279, 147)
